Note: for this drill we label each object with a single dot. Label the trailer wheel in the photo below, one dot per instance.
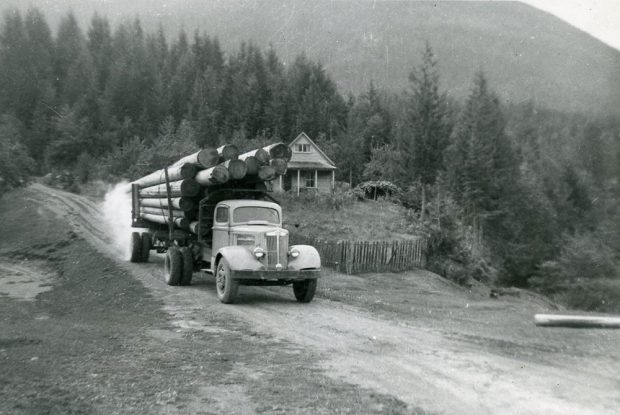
(145, 240)
(304, 290)
(173, 265)
(226, 287)
(136, 247)
(188, 266)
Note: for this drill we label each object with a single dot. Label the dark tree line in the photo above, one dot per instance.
(517, 187)
(92, 92)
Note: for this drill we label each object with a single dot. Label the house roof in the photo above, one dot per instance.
(304, 135)
(309, 165)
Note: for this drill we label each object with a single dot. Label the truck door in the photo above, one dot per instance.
(221, 228)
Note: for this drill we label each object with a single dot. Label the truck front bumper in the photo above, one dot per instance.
(284, 275)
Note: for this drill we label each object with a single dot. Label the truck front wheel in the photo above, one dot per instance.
(304, 290)
(226, 287)
(173, 265)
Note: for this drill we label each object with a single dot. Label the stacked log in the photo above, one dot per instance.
(186, 188)
(204, 158)
(215, 175)
(193, 176)
(176, 172)
(178, 203)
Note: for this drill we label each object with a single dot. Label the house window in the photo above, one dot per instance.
(309, 179)
(302, 148)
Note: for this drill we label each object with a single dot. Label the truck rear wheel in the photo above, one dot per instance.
(188, 266)
(173, 266)
(304, 290)
(145, 240)
(226, 287)
(136, 247)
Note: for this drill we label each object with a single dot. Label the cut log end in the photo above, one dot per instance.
(280, 151)
(266, 173)
(215, 175)
(228, 152)
(208, 157)
(252, 165)
(280, 166)
(262, 156)
(237, 169)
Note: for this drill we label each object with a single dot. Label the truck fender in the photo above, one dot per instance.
(308, 258)
(239, 259)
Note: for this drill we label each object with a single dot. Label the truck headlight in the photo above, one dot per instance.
(258, 252)
(294, 253)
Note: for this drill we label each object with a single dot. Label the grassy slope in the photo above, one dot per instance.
(525, 52)
(366, 221)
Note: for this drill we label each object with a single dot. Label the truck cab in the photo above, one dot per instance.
(249, 246)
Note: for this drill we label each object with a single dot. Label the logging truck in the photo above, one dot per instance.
(237, 236)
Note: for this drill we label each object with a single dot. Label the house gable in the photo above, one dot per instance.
(306, 152)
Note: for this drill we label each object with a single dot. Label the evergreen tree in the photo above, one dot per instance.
(371, 121)
(428, 123)
(482, 164)
(99, 45)
(72, 66)
(315, 104)
(424, 141)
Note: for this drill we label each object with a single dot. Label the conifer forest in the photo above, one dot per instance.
(512, 194)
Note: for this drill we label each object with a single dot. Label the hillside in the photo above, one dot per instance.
(83, 331)
(526, 53)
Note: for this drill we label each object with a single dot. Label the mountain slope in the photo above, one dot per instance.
(526, 53)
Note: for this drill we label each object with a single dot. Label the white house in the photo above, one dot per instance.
(308, 170)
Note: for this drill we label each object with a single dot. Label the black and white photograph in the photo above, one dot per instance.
(309, 207)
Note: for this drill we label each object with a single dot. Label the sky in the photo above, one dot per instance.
(599, 18)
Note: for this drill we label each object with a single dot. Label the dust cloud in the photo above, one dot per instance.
(117, 216)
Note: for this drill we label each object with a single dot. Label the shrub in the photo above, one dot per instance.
(454, 249)
(16, 165)
(596, 295)
(376, 189)
(584, 276)
(585, 256)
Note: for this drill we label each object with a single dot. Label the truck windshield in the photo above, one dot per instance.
(247, 214)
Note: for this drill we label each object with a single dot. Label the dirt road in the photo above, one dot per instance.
(381, 343)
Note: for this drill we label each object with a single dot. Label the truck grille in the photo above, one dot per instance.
(272, 254)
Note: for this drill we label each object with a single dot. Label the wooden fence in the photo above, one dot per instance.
(367, 256)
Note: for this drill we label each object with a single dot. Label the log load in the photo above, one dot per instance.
(205, 158)
(279, 151)
(175, 173)
(178, 203)
(181, 223)
(261, 155)
(227, 152)
(180, 188)
(215, 175)
(202, 172)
